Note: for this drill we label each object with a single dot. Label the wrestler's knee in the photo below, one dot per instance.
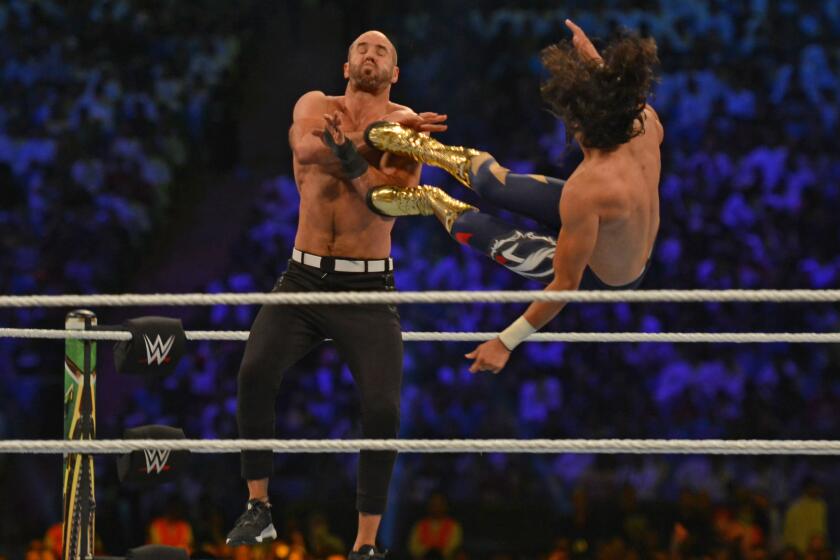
(478, 230)
(257, 383)
(251, 375)
(381, 417)
(486, 175)
(255, 413)
(468, 223)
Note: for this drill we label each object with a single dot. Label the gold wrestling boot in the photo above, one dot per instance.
(422, 200)
(397, 139)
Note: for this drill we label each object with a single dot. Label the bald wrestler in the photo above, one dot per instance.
(340, 245)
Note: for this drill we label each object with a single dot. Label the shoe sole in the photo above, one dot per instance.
(268, 534)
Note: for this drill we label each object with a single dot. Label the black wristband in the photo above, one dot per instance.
(352, 162)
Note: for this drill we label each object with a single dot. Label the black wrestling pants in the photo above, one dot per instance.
(368, 338)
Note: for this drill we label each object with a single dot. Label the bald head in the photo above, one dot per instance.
(371, 63)
(375, 39)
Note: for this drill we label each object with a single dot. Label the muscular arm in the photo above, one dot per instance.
(575, 244)
(307, 127)
(579, 213)
(392, 170)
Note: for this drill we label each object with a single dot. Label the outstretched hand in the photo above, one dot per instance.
(333, 128)
(582, 43)
(489, 356)
(424, 122)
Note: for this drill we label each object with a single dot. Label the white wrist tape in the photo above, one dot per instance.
(518, 331)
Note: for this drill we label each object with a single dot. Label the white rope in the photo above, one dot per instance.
(332, 298)
(738, 338)
(610, 446)
(58, 334)
(678, 337)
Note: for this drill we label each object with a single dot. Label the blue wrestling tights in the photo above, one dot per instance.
(527, 253)
(534, 196)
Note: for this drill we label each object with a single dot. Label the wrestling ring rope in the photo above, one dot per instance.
(600, 446)
(396, 298)
(82, 333)
(435, 336)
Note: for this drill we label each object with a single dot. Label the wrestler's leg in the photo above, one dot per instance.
(421, 200)
(534, 196)
(280, 336)
(369, 338)
(527, 253)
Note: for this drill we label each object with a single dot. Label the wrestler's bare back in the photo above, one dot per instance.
(334, 217)
(623, 188)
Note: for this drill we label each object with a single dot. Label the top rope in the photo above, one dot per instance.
(611, 446)
(394, 298)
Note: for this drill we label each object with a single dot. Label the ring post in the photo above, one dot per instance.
(79, 424)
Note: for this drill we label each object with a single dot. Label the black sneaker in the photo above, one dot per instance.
(367, 552)
(254, 526)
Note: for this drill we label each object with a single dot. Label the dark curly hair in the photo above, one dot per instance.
(601, 101)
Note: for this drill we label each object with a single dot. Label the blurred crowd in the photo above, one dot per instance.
(104, 106)
(751, 177)
(102, 103)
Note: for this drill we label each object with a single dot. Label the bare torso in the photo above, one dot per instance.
(334, 217)
(625, 183)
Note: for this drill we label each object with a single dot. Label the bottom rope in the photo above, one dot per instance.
(675, 337)
(601, 446)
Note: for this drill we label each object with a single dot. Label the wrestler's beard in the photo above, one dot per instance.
(374, 82)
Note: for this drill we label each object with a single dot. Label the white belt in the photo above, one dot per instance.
(332, 264)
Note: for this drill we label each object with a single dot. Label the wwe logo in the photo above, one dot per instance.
(156, 460)
(157, 351)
